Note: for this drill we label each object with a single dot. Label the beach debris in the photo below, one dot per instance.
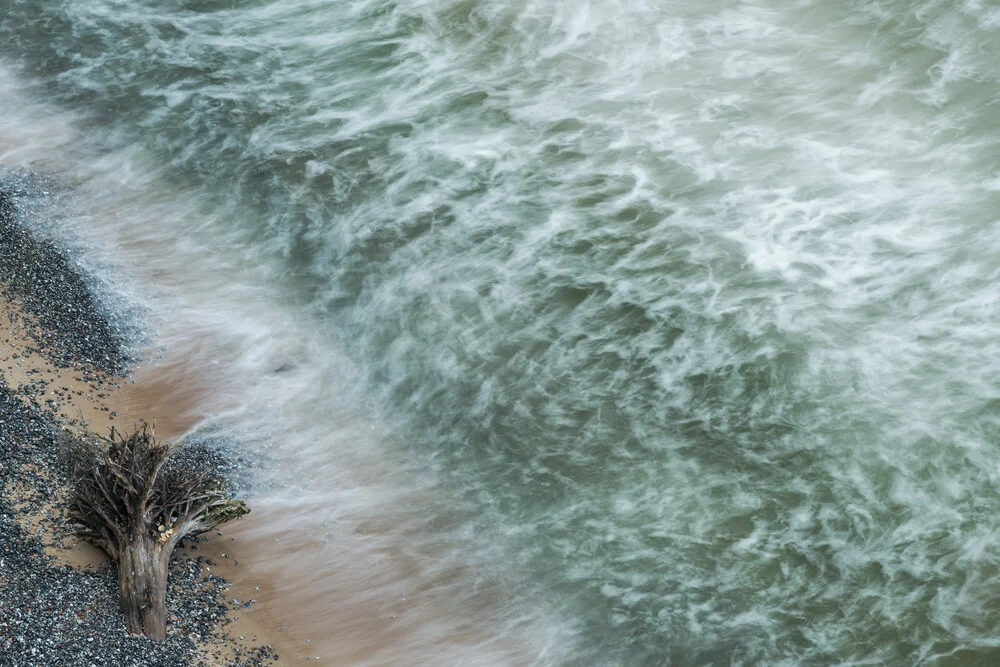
(135, 500)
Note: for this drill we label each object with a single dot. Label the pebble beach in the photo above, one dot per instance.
(63, 365)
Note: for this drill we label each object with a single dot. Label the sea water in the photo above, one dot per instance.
(577, 333)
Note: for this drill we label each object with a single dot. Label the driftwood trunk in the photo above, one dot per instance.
(142, 585)
(136, 505)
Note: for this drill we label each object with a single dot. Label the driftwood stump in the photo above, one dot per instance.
(131, 502)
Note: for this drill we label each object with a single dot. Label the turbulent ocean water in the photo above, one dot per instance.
(621, 332)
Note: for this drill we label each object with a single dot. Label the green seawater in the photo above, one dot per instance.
(695, 305)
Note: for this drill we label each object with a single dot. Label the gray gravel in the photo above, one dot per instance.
(74, 326)
(53, 615)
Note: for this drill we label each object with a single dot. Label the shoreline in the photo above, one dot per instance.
(45, 376)
(384, 575)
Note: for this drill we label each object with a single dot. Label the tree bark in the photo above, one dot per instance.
(142, 586)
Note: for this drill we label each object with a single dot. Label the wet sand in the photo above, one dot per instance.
(85, 399)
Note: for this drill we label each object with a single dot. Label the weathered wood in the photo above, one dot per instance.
(142, 586)
(130, 501)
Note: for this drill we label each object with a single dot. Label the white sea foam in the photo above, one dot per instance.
(361, 553)
(691, 306)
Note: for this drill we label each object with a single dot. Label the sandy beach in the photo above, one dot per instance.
(56, 392)
(366, 587)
